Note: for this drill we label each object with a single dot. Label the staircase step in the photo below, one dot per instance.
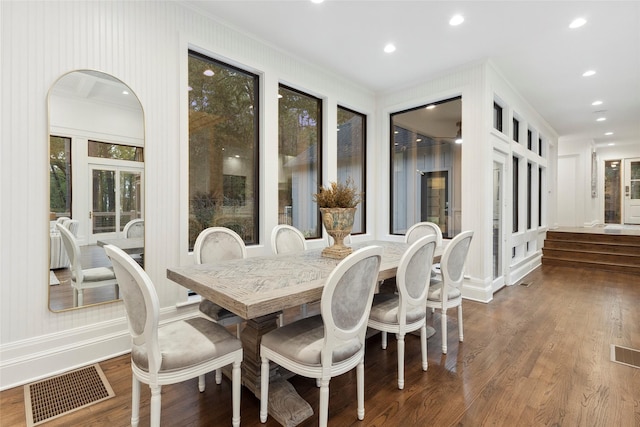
(595, 247)
(612, 238)
(592, 256)
(591, 265)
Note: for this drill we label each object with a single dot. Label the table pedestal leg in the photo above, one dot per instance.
(285, 405)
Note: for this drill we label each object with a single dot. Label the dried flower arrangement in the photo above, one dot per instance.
(338, 195)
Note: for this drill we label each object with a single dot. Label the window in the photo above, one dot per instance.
(497, 116)
(223, 148)
(60, 176)
(529, 139)
(612, 194)
(299, 160)
(516, 130)
(352, 156)
(116, 151)
(529, 193)
(426, 163)
(540, 147)
(515, 201)
(540, 178)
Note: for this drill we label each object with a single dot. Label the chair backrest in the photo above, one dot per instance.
(62, 219)
(422, 229)
(414, 274)
(218, 244)
(73, 251)
(72, 225)
(134, 228)
(141, 304)
(346, 302)
(453, 259)
(286, 239)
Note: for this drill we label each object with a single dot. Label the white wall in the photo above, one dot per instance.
(576, 206)
(144, 44)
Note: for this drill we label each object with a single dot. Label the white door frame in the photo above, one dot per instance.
(630, 207)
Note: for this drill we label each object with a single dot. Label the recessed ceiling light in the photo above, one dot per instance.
(577, 23)
(430, 107)
(601, 119)
(390, 47)
(596, 103)
(588, 73)
(456, 20)
(208, 73)
(124, 92)
(317, 1)
(608, 133)
(611, 144)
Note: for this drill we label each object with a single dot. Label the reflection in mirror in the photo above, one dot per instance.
(96, 185)
(426, 159)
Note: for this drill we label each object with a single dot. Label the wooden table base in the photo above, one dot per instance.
(285, 404)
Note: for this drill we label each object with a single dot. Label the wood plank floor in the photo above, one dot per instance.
(534, 356)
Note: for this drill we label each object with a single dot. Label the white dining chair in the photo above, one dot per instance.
(84, 278)
(134, 228)
(404, 311)
(331, 343)
(175, 351)
(219, 244)
(447, 293)
(426, 228)
(287, 239)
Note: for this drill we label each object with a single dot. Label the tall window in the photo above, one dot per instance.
(529, 139)
(60, 176)
(516, 130)
(529, 193)
(540, 179)
(515, 201)
(612, 195)
(426, 163)
(299, 160)
(223, 148)
(352, 158)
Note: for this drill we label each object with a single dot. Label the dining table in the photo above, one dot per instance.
(257, 289)
(131, 245)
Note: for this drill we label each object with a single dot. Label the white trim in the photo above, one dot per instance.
(33, 359)
(476, 289)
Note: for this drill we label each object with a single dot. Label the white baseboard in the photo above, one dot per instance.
(520, 270)
(45, 356)
(477, 290)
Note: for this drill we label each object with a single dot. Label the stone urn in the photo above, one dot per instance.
(338, 222)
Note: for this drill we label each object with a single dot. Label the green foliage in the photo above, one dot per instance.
(338, 195)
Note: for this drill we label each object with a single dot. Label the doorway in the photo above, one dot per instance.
(116, 198)
(434, 203)
(632, 191)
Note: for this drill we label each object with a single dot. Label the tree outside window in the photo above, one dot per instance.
(223, 142)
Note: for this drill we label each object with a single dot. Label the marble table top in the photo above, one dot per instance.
(263, 285)
(131, 245)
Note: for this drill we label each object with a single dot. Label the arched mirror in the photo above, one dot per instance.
(96, 185)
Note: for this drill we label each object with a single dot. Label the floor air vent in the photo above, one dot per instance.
(625, 356)
(60, 395)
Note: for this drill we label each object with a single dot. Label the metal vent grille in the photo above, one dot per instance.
(625, 356)
(60, 395)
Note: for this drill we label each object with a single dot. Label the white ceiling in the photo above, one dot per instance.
(528, 41)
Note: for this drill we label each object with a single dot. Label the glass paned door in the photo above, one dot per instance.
(116, 196)
(435, 199)
(632, 191)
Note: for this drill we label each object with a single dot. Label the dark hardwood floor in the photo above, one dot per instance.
(534, 356)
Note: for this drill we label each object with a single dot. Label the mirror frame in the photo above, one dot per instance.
(50, 94)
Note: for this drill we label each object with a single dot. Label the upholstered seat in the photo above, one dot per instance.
(172, 352)
(332, 343)
(81, 278)
(452, 268)
(405, 311)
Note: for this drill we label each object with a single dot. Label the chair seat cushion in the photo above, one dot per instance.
(385, 310)
(187, 343)
(435, 292)
(214, 311)
(302, 342)
(97, 274)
